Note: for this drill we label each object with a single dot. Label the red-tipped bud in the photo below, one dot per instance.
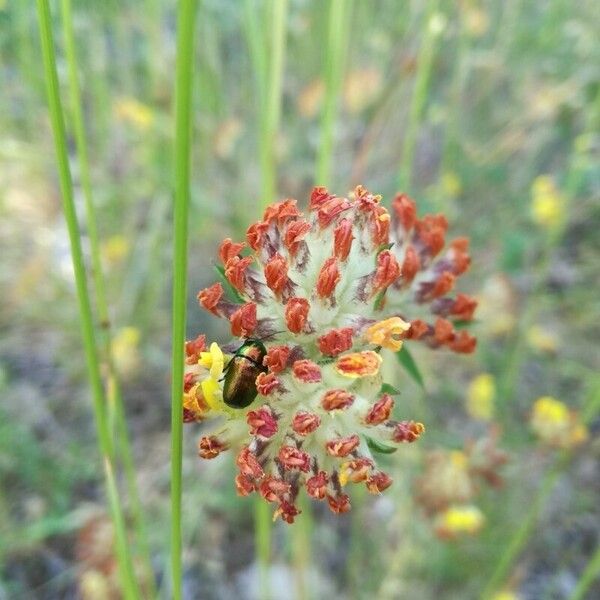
(267, 383)
(410, 265)
(295, 234)
(243, 320)
(335, 341)
(244, 485)
(408, 431)
(276, 358)
(431, 230)
(287, 511)
(248, 464)
(229, 249)
(464, 307)
(210, 297)
(443, 284)
(386, 272)
(296, 314)
(380, 411)
(280, 212)
(459, 255)
(262, 422)
(443, 331)
(292, 458)
(235, 271)
(256, 234)
(337, 400)
(339, 504)
(342, 239)
(316, 486)
(319, 196)
(463, 343)
(276, 275)
(378, 482)
(405, 210)
(211, 446)
(304, 422)
(331, 209)
(272, 489)
(341, 447)
(329, 277)
(193, 349)
(307, 371)
(418, 329)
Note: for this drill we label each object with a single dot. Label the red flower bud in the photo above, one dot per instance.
(342, 446)
(307, 371)
(408, 431)
(243, 320)
(235, 271)
(380, 411)
(386, 272)
(342, 239)
(292, 458)
(248, 464)
(337, 400)
(276, 273)
(210, 447)
(329, 277)
(210, 297)
(339, 504)
(335, 341)
(296, 314)
(305, 422)
(378, 482)
(229, 249)
(262, 422)
(267, 383)
(276, 358)
(316, 486)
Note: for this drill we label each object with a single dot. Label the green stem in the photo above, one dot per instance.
(419, 96)
(271, 107)
(527, 526)
(183, 104)
(128, 581)
(590, 574)
(112, 384)
(338, 29)
(262, 541)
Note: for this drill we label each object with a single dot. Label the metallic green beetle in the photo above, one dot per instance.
(239, 388)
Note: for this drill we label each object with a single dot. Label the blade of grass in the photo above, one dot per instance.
(590, 574)
(112, 385)
(337, 38)
(527, 526)
(186, 12)
(419, 96)
(406, 359)
(128, 581)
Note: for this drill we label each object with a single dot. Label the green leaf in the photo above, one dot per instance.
(408, 362)
(230, 291)
(387, 388)
(461, 324)
(379, 448)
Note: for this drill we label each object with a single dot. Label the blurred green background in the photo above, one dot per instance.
(486, 111)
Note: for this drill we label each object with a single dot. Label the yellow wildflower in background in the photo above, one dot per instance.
(547, 206)
(506, 595)
(542, 340)
(555, 424)
(134, 112)
(459, 520)
(115, 249)
(451, 184)
(480, 397)
(125, 353)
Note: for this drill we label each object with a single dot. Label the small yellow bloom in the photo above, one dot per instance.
(480, 397)
(124, 349)
(555, 424)
(506, 595)
(213, 360)
(132, 111)
(361, 88)
(451, 184)
(115, 249)
(542, 340)
(386, 333)
(547, 202)
(458, 520)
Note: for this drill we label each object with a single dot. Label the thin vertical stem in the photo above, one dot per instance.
(339, 11)
(183, 103)
(527, 525)
(271, 108)
(590, 574)
(419, 96)
(112, 384)
(128, 581)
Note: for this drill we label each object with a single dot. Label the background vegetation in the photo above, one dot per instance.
(487, 111)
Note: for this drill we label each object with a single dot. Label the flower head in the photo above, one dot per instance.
(307, 295)
(547, 203)
(459, 520)
(480, 397)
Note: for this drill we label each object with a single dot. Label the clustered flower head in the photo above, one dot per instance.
(315, 298)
